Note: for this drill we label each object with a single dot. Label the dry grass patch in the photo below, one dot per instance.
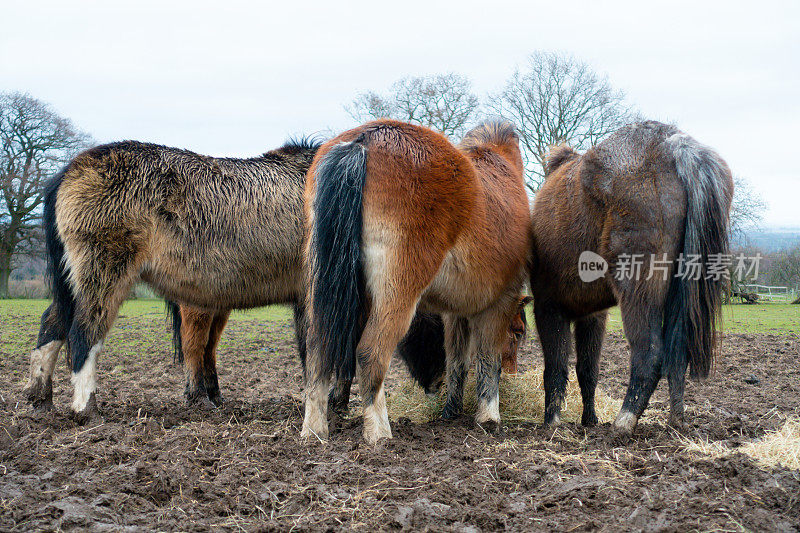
(779, 447)
(521, 400)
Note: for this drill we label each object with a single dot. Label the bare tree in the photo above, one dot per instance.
(747, 210)
(36, 142)
(558, 99)
(786, 267)
(444, 102)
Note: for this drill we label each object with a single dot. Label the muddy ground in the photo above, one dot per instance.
(155, 465)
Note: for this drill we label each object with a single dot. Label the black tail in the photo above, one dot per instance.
(58, 317)
(422, 349)
(174, 311)
(336, 271)
(693, 306)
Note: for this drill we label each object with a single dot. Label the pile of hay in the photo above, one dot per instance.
(521, 400)
(781, 447)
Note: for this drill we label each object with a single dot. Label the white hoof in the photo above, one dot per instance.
(488, 411)
(626, 421)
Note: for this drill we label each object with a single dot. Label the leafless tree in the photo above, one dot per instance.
(36, 142)
(746, 211)
(558, 99)
(786, 268)
(444, 102)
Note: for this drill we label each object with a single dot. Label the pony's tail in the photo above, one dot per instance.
(337, 286)
(174, 311)
(62, 311)
(693, 306)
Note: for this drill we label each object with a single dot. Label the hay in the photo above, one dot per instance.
(781, 447)
(776, 448)
(521, 400)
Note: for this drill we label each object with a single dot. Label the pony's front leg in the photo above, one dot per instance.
(487, 374)
(491, 330)
(459, 356)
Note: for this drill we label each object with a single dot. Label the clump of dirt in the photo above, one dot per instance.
(156, 465)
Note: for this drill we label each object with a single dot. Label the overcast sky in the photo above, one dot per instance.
(230, 78)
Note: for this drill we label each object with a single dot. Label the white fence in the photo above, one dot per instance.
(772, 294)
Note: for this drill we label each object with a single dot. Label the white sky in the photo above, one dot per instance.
(236, 78)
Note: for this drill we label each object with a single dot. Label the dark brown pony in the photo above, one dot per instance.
(651, 195)
(399, 219)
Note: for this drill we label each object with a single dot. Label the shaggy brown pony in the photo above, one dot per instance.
(199, 230)
(648, 194)
(399, 219)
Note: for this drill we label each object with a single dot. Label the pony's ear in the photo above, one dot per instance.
(557, 156)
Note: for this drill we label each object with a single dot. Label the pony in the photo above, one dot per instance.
(211, 233)
(648, 195)
(398, 219)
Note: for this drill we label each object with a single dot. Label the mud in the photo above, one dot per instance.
(155, 465)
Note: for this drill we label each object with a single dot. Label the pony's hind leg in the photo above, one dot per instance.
(52, 334)
(642, 323)
(589, 333)
(195, 333)
(459, 353)
(554, 334)
(677, 382)
(210, 358)
(102, 278)
(385, 328)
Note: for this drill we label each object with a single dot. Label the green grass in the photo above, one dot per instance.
(763, 318)
(773, 318)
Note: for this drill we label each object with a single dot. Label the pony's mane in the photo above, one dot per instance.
(495, 132)
(295, 145)
(557, 156)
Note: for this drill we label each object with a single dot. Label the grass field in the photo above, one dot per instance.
(771, 318)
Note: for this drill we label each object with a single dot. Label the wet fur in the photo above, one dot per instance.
(443, 229)
(647, 189)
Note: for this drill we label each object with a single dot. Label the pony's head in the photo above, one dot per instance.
(500, 136)
(516, 336)
(557, 156)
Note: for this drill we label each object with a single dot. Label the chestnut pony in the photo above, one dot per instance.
(651, 194)
(399, 219)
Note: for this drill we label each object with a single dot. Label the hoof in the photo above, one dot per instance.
(552, 420)
(309, 434)
(450, 414)
(90, 414)
(217, 400)
(39, 394)
(589, 420)
(492, 427)
(626, 422)
(372, 436)
(676, 421)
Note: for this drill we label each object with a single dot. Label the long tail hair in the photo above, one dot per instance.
(62, 310)
(337, 284)
(693, 306)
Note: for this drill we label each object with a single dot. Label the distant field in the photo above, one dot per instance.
(762, 318)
